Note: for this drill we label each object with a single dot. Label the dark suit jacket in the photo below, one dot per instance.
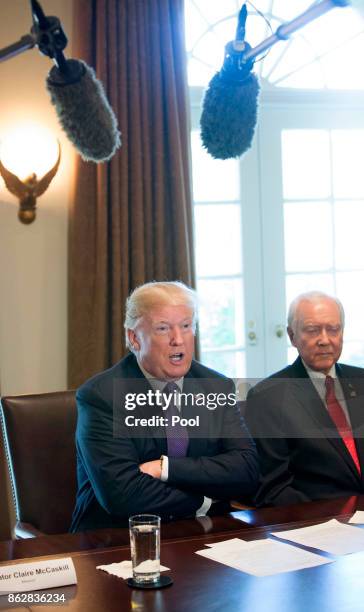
(301, 455)
(223, 464)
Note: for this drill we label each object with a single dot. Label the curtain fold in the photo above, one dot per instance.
(131, 219)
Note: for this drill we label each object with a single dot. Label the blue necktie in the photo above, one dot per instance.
(177, 435)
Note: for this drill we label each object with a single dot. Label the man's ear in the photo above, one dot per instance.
(133, 340)
(290, 333)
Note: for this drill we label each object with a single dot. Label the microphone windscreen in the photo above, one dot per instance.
(83, 111)
(229, 115)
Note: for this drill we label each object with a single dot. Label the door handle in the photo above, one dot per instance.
(252, 336)
(280, 330)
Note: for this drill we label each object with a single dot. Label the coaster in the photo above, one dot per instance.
(163, 581)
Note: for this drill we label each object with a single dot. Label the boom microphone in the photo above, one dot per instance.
(83, 110)
(229, 110)
(79, 98)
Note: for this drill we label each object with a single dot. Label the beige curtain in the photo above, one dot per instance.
(131, 219)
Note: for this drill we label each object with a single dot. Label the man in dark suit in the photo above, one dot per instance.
(308, 419)
(135, 456)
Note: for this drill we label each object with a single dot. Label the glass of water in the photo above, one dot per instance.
(144, 532)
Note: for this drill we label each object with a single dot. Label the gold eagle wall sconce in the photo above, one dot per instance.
(29, 189)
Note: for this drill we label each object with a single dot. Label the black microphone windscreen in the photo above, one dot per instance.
(83, 111)
(229, 115)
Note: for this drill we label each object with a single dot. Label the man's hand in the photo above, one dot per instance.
(153, 468)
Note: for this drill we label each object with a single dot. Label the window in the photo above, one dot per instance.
(323, 204)
(286, 217)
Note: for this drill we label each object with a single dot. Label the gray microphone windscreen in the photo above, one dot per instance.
(229, 115)
(84, 111)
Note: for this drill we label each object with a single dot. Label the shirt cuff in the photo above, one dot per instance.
(164, 472)
(205, 507)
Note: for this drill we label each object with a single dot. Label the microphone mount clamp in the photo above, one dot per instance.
(46, 33)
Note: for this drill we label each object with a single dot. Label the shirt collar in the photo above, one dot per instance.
(157, 384)
(317, 374)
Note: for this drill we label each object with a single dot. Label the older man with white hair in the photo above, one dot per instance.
(158, 432)
(308, 419)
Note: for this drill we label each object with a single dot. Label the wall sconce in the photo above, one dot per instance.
(27, 152)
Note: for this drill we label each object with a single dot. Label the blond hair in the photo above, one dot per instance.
(151, 295)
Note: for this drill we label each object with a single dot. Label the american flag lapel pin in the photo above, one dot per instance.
(352, 390)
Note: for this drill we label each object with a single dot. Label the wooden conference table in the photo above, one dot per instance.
(199, 583)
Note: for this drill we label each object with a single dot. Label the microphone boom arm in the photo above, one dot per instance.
(23, 44)
(286, 29)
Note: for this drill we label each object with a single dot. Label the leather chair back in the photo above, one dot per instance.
(39, 436)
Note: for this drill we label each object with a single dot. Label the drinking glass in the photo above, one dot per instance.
(144, 532)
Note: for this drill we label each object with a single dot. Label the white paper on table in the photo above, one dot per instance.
(264, 557)
(233, 543)
(357, 518)
(123, 569)
(333, 537)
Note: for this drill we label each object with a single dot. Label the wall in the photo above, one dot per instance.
(33, 259)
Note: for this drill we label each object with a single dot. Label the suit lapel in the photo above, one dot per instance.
(354, 397)
(312, 403)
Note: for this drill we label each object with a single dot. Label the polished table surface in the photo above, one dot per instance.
(199, 583)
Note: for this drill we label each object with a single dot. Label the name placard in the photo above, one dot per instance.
(37, 575)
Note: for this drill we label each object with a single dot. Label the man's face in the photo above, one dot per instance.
(318, 333)
(164, 341)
